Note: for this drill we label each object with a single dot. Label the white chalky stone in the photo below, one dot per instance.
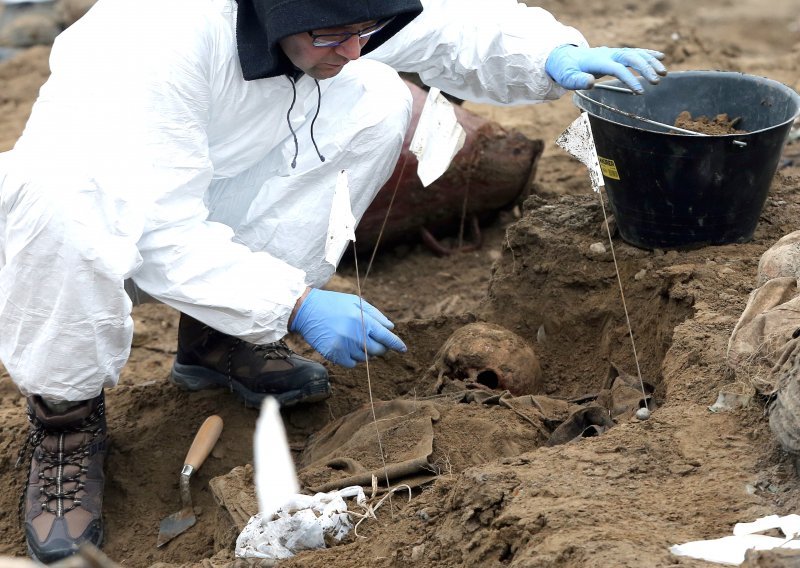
(643, 414)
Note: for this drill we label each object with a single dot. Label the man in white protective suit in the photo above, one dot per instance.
(187, 150)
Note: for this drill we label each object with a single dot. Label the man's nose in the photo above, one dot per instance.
(351, 49)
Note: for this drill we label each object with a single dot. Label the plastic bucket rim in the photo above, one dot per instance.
(616, 82)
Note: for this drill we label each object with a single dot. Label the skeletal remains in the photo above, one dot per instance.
(487, 356)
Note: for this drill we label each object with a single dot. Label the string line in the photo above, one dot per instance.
(624, 304)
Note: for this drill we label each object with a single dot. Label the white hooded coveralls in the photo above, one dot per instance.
(148, 157)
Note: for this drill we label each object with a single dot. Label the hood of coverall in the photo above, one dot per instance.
(261, 24)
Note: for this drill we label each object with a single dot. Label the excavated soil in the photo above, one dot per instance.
(500, 496)
(721, 124)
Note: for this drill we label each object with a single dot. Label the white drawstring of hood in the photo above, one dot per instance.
(313, 120)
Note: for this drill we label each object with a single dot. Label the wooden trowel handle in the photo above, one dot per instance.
(204, 441)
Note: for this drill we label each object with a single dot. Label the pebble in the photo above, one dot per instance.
(643, 414)
(597, 248)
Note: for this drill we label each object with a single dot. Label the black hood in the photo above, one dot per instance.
(261, 24)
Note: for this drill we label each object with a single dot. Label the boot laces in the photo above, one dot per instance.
(61, 486)
(276, 350)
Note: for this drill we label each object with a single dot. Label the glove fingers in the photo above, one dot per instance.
(375, 313)
(652, 58)
(621, 72)
(644, 65)
(386, 338)
(576, 80)
(356, 354)
(644, 61)
(374, 348)
(342, 357)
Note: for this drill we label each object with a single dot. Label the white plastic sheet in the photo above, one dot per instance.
(341, 223)
(302, 523)
(577, 140)
(730, 550)
(275, 477)
(437, 139)
(289, 522)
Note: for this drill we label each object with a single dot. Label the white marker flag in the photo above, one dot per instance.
(275, 477)
(341, 224)
(577, 140)
(438, 137)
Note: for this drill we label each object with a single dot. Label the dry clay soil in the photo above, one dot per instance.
(618, 499)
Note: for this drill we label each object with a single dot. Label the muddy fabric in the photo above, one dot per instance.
(424, 439)
(624, 393)
(236, 492)
(770, 318)
(539, 411)
(583, 423)
(782, 259)
(784, 411)
(346, 452)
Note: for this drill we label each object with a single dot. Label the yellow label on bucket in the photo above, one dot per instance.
(608, 167)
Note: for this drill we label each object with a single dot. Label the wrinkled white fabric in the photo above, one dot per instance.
(148, 157)
(490, 51)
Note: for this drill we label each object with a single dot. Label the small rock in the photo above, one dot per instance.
(643, 414)
(417, 552)
(681, 469)
(640, 275)
(597, 249)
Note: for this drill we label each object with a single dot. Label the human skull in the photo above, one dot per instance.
(487, 356)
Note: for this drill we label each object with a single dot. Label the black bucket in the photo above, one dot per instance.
(673, 190)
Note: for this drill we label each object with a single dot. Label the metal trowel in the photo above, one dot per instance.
(204, 441)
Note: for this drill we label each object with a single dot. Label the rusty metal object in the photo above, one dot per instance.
(491, 171)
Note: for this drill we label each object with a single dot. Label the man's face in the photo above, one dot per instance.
(324, 62)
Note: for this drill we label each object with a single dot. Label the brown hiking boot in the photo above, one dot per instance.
(64, 494)
(210, 359)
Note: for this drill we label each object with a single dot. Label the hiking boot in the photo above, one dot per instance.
(210, 359)
(63, 497)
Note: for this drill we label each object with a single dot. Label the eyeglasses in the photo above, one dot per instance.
(334, 39)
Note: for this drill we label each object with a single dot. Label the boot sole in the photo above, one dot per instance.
(195, 378)
(52, 558)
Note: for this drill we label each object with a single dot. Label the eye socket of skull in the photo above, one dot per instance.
(488, 378)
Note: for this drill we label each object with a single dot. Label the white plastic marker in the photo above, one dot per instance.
(438, 137)
(731, 549)
(275, 477)
(578, 142)
(341, 223)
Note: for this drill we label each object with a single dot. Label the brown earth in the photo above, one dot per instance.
(719, 125)
(618, 499)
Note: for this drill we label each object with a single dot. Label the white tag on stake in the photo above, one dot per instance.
(341, 224)
(438, 137)
(577, 140)
(275, 477)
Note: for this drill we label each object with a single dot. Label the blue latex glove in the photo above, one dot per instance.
(575, 67)
(331, 323)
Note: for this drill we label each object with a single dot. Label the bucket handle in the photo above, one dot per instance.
(637, 117)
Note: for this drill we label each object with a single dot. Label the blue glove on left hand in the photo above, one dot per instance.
(575, 67)
(334, 325)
